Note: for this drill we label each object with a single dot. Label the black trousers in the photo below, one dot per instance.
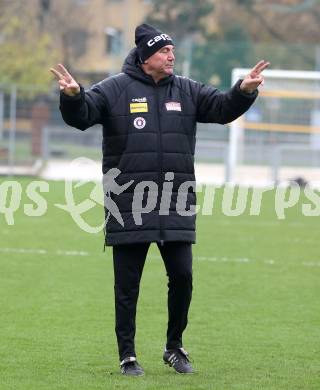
(128, 262)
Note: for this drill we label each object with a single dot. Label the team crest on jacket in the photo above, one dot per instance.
(173, 106)
(139, 123)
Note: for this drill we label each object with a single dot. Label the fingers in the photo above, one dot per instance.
(257, 78)
(61, 73)
(260, 66)
(264, 66)
(57, 74)
(63, 84)
(256, 81)
(252, 83)
(64, 71)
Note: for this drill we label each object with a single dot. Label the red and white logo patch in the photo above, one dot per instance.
(173, 106)
(139, 123)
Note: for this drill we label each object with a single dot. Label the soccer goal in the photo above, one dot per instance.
(278, 139)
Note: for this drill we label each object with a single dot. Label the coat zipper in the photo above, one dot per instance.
(160, 160)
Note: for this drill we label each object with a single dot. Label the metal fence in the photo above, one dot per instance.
(33, 132)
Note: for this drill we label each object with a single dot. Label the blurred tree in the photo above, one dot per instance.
(283, 20)
(185, 21)
(60, 19)
(264, 22)
(238, 33)
(293, 6)
(180, 18)
(34, 35)
(210, 51)
(287, 29)
(25, 55)
(214, 60)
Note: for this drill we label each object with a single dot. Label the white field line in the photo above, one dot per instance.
(212, 259)
(241, 260)
(43, 252)
(256, 223)
(311, 263)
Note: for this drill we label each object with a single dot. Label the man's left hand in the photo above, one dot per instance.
(252, 80)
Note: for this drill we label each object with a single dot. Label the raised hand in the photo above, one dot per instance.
(252, 80)
(67, 83)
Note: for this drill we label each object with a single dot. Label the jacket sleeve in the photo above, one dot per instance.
(84, 110)
(215, 106)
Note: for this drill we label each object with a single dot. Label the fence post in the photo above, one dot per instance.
(12, 134)
(45, 143)
(275, 155)
(1, 114)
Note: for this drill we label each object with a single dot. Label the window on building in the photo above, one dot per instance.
(80, 2)
(45, 5)
(78, 41)
(114, 40)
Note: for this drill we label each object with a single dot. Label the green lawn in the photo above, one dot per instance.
(254, 320)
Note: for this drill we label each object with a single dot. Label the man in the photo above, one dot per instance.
(149, 118)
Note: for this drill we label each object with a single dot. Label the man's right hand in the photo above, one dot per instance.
(67, 83)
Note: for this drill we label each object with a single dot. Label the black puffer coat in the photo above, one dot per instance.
(148, 130)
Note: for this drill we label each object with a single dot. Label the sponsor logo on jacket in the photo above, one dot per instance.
(139, 100)
(138, 107)
(173, 106)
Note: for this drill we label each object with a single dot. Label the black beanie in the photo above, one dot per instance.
(149, 40)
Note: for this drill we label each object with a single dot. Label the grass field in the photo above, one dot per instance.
(254, 320)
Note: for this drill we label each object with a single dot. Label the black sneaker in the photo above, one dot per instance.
(130, 366)
(178, 359)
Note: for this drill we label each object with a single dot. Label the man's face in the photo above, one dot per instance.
(161, 63)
